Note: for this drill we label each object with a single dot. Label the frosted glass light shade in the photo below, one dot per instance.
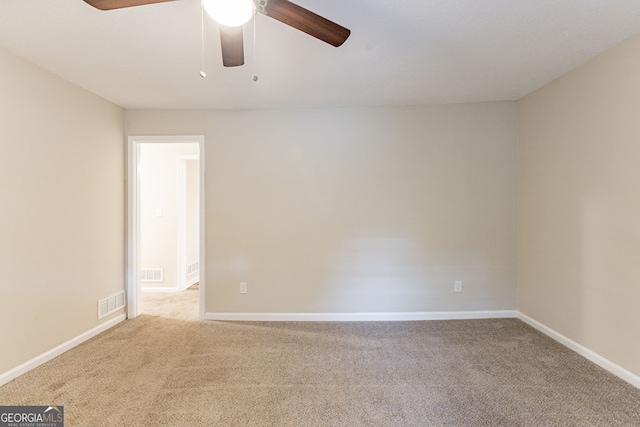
(231, 13)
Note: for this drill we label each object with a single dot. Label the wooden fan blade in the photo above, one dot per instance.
(307, 21)
(119, 4)
(232, 46)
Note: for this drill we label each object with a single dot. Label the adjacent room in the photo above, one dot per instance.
(357, 213)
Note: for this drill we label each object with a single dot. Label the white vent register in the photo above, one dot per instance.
(110, 304)
(151, 275)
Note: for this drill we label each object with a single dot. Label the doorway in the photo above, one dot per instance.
(166, 245)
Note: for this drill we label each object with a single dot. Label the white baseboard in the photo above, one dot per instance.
(615, 369)
(168, 289)
(360, 317)
(192, 281)
(57, 351)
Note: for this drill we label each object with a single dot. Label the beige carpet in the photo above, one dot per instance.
(167, 368)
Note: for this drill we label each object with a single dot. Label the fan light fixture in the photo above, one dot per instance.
(233, 14)
(230, 13)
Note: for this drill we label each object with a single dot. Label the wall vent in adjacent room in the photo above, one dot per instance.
(151, 275)
(194, 267)
(110, 304)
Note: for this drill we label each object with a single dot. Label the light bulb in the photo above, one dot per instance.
(231, 13)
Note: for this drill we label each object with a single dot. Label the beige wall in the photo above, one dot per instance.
(62, 216)
(159, 190)
(356, 209)
(579, 205)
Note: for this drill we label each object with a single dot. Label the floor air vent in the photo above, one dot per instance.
(110, 304)
(151, 275)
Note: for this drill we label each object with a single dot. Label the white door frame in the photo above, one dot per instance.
(182, 218)
(133, 218)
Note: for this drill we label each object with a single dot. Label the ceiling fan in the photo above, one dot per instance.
(231, 36)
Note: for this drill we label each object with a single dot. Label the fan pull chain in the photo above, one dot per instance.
(202, 72)
(255, 67)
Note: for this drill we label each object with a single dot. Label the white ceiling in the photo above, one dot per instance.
(399, 52)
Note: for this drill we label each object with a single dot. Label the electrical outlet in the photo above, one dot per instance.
(457, 286)
(243, 287)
